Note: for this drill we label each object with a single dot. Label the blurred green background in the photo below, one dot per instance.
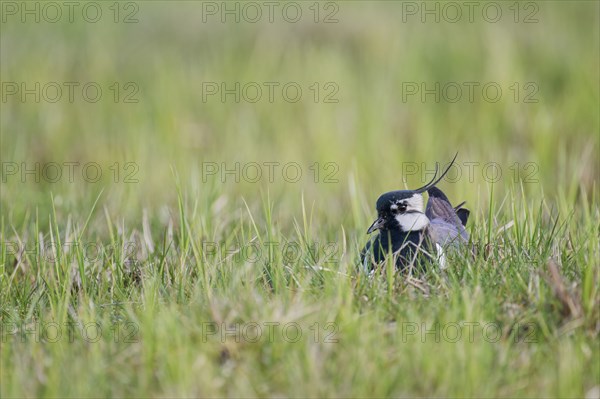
(368, 57)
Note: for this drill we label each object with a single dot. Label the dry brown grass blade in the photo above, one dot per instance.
(571, 305)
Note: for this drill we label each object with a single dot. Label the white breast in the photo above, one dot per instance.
(441, 256)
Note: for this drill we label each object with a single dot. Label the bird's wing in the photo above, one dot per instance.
(446, 224)
(463, 215)
(439, 207)
(447, 234)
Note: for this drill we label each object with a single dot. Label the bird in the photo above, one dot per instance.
(413, 236)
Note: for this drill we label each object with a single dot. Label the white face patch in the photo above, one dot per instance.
(414, 203)
(414, 218)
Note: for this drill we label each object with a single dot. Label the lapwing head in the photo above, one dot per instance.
(403, 209)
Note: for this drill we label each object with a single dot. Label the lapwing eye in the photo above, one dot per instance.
(402, 208)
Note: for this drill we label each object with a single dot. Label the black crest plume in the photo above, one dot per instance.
(435, 181)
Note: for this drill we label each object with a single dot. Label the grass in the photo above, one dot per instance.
(162, 279)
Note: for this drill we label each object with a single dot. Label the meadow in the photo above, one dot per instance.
(186, 188)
